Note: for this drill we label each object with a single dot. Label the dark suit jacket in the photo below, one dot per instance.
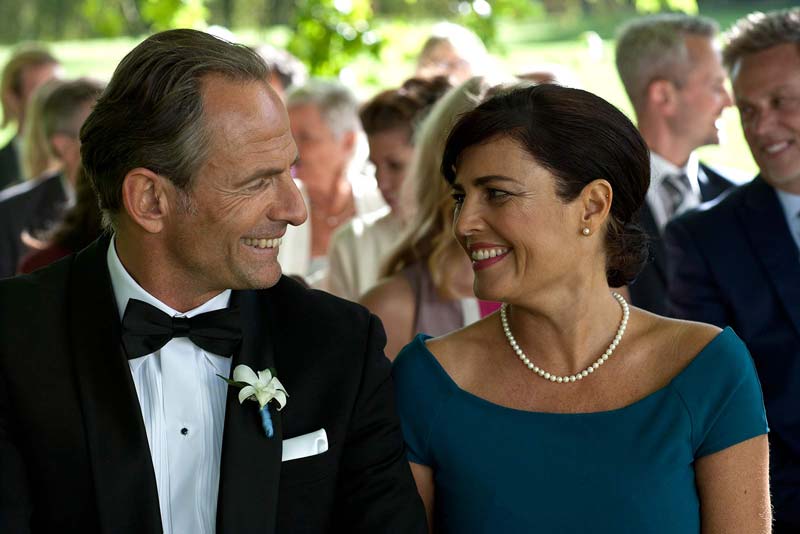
(736, 264)
(35, 206)
(649, 290)
(74, 455)
(10, 173)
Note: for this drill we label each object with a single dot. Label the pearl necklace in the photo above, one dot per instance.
(581, 374)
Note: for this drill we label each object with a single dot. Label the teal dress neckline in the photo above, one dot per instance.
(628, 470)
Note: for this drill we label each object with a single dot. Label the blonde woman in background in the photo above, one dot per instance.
(427, 285)
(38, 158)
(29, 66)
(389, 119)
(453, 51)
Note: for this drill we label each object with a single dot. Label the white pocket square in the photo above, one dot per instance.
(306, 445)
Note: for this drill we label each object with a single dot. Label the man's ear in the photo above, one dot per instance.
(59, 144)
(662, 96)
(144, 196)
(595, 201)
(62, 144)
(349, 139)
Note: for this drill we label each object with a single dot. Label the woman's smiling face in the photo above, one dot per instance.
(520, 235)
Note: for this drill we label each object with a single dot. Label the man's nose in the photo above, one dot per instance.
(293, 205)
(763, 121)
(727, 100)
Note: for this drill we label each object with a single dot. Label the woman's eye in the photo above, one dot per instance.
(458, 198)
(495, 194)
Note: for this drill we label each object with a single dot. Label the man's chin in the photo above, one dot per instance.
(259, 280)
(785, 181)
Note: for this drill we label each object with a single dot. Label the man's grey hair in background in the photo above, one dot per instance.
(654, 48)
(757, 32)
(289, 70)
(336, 103)
(151, 113)
(62, 106)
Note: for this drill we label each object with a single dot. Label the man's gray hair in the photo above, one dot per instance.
(151, 113)
(336, 103)
(758, 31)
(654, 48)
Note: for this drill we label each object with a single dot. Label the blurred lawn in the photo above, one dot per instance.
(523, 45)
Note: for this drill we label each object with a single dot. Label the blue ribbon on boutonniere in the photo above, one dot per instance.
(262, 387)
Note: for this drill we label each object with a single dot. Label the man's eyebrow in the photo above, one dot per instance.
(267, 172)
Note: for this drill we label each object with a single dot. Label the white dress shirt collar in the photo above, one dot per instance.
(182, 401)
(660, 167)
(126, 288)
(791, 210)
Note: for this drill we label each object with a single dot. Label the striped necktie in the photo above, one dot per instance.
(674, 190)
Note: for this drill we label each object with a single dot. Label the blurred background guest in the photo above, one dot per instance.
(359, 247)
(453, 51)
(427, 280)
(671, 69)
(81, 225)
(737, 261)
(37, 154)
(36, 205)
(28, 67)
(285, 70)
(323, 116)
(509, 420)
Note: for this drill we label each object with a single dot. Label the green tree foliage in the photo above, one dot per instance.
(167, 14)
(329, 34)
(481, 16)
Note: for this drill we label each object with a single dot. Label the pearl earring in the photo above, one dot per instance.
(586, 231)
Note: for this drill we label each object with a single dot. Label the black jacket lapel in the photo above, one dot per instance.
(251, 462)
(712, 184)
(125, 486)
(765, 224)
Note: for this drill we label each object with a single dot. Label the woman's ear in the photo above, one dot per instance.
(595, 202)
(145, 200)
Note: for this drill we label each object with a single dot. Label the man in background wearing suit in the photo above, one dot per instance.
(671, 70)
(36, 206)
(737, 262)
(112, 415)
(27, 69)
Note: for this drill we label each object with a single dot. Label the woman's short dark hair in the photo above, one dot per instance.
(402, 108)
(578, 137)
(151, 113)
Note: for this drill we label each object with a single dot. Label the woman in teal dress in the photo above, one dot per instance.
(568, 411)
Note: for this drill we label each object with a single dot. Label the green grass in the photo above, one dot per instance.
(524, 43)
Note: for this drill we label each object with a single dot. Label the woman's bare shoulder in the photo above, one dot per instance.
(459, 351)
(390, 294)
(674, 343)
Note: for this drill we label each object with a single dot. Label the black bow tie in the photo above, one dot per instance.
(145, 329)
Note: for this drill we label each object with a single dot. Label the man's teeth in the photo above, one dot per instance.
(263, 243)
(775, 148)
(486, 253)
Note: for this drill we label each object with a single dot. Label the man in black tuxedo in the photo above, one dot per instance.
(671, 70)
(737, 262)
(112, 416)
(36, 206)
(27, 68)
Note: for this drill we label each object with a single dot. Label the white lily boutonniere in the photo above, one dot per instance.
(262, 388)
